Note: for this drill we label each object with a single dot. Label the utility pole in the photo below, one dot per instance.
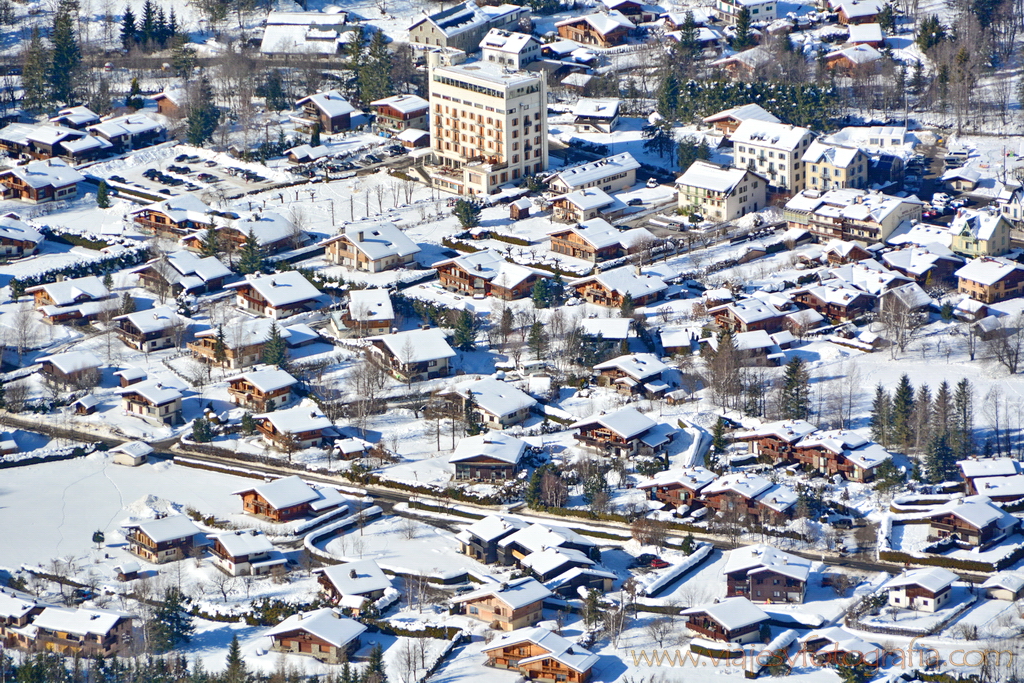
(332, 213)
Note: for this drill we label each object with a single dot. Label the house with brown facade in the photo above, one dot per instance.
(322, 634)
(973, 470)
(538, 538)
(400, 112)
(41, 181)
(747, 496)
(990, 279)
(927, 266)
(182, 272)
(748, 315)
(506, 606)
(495, 403)
(369, 311)
(841, 452)
(611, 287)
(580, 206)
(835, 303)
(414, 355)
(598, 240)
(153, 401)
(972, 522)
(75, 301)
(835, 646)
(922, 590)
(245, 553)
(538, 654)
(243, 343)
(354, 584)
(487, 272)
(77, 632)
(327, 110)
(601, 29)
(150, 330)
(678, 488)
(625, 433)
(303, 426)
(634, 373)
(18, 239)
(165, 539)
(479, 540)
(261, 390)
(372, 248)
(762, 573)
(732, 620)
(276, 296)
(491, 456)
(273, 233)
(287, 498)
(175, 217)
(72, 368)
(130, 131)
(775, 442)
(728, 120)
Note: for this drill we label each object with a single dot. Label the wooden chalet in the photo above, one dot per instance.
(150, 330)
(602, 30)
(354, 584)
(972, 522)
(414, 355)
(487, 273)
(728, 120)
(130, 376)
(175, 217)
(839, 252)
(41, 181)
(369, 311)
(748, 315)
(841, 452)
(153, 401)
(750, 497)
(165, 539)
(538, 654)
(72, 368)
(480, 539)
(625, 433)
(775, 442)
(243, 344)
(372, 248)
(18, 239)
(327, 110)
(400, 112)
(487, 457)
(323, 634)
(277, 296)
(245, 553)
(922, 590)
(506, 606)
(610, 288)
(598, 240)
(182, 272)
(273, 232)
(986, 469)
(78, 632)
(678, 488)
(835, 303)
(733, 620)
(262, 390)
(295, 428)
(77, 300)
(288, 498)
(762, 573)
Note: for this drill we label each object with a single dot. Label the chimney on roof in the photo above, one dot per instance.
(352, 573)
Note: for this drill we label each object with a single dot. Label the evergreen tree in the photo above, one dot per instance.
(471, 416)
(220, 348)
(556, 290)
(171, 625)
(236, 671)
(627, 308)
(248, 423)
(719, 441)
(273, 91)
(202, 431)
(275, 350)
(540, 293)
(127, 304)
(67, 57)
(902, 413)
(108, 280)
(468, 213)
(668, 96)
(962, 434)
(203, 115)
(314, 137)
(134, 99)
(210, 245)
(374, 76)
(930, 33)
(887, 18)
(922, 417)
(17, 288)
(942, 410)
(183, 57)
(881, 415)
(250, 256)
(128, 29)
(537, 341)
(659, 139)
(465, 331)
(35, 78)
(795, 397)
(102, 196)
(688, 545)
(687, 47)
(147, 26)
(374, 672)
(888, 478)
(940, 462)
(743, 39)
(689, 150)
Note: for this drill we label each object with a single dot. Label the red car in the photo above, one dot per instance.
(658, 563)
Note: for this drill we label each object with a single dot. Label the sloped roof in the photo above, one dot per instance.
(67, 292)
(73, 361)
(601, 22)
(281, 289)
(330, 102)
(555, 647)
(267, 379)
(753, 557)
(54, 172)
(516, 593)
(168, 528)
(708, 176)
(378, 240)
(768, 134)
(301, 418)
(494, 526)
(81, 622)
(366, 305)
(747, 111)
(731, 613)
(495, 396)
(693, 478)
(490, 265)
(249, 542)
(13, 229)
(325, 623)
(625, 280)
(934, 579)
(639, 366)
(491, 445)
(626, 422)
(987, 270)
(592, 171)
(357, 578)
(154, 391)
(153, 320)
(417, 346)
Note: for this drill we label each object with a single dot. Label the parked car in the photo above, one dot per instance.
(643, 560)
(658, 563)
(210, 163)
(180, 158)
(635, 201)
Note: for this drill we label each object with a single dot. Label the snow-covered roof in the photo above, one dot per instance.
(857, 8)
(601, 22)
(693, 478)
(182, 207)
(934, 579)
(1001, 487)
(267, 379)
(301, 418)
(166, 529)
(153, 320)
(979, 225)
(754, 112)
(497, 445)
(987, 270)
(330, 102)
(73, 361)
(537, 537)
(357, 578)
(1008, 580)
(378, 240)
(15, 604)
(911, 295)
(247, 333)
(80, 622)
(268, 227)
(989, 467)
(281, 289)
(325, 623)
(406, 104)
(490, 265)
(494, 526)
(45, 172)
(768, 134)
(549, 559)
(84, 144)
(417, 346)
(731, 613)
(639, 366)
(841, 157)
(516, 593)
(857, 54)
(13, 229)
(249, 542)
(495, 396)
(465, 16)
(708, 176)
(554, 647)
(368, 305)
(753, 557)
(843, 641)
(625, 280)
(865, 33)
(608, 328)
(67, 292)
(626, 422)
(749, 310)
(597, 108)
(789, 431)
(595, 171)
(131, 373)
(589, 198)
(128, 125)
(78, 116)
(509, 42)
(412, 135)
(978, 511)
(154, 391)
(918, 260)
(137, 449)
(284, 492)
(746, 484)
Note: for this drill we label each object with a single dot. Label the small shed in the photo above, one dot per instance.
(413, 138)
(86, 405)
(8, 446)
(132, 453)
(520, 209)
(127, 571)
(130, 376)
(1007, 586)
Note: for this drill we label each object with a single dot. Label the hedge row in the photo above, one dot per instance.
(952, 562)
(442, 632)
(519, 242)
(126, 259)
(448, 511)
(459, 246)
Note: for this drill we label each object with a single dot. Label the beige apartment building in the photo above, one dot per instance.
(488, 127)
(773, 150)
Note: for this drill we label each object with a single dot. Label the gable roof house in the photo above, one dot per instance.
(733, 620)
(602, 30)
(834, 646)
(857, 11)
(582, 205)
(414, 355)
(165, 539)
(598, 240)
(834, 166)
(41, 181)
(77, 368)
(37, 141)
(775, 442)
(678, 488)
(322, 634)
(18, 239)
(303, 426)
(131, 131)
(399, 113)
(748, 315)
(76, 301)
(746, 495)
(273, 232)
(624, 433)
(594, 115)
(487, 457)
(464, 25)
(974, 469)
(972, 522)
(854, 59)
(353, 584)
(611, 174)
(510, 49)
(728, 120)
(922, 590)
(182, 272)
(774, 150)
(287, 498)
(1005, 585)
(928, 265)
(610, 287)
(372, 248)
(245, 553)
(537, 538)
(721, 193)
(980, 233)
(635, 373)
(537, 653)
(276, 296)
(762, 573)
(153, 401)
(479, 540)
(174, 217)
(369, 311)
(262, 390)
(327, 109)
(851, 214)
(80, 632)
(487, 272)
(496, 403)
(991, 279)
(507, 605)
(243, 343)
(841, 452)
(149, 330)
(842, 303)
(310, 35)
